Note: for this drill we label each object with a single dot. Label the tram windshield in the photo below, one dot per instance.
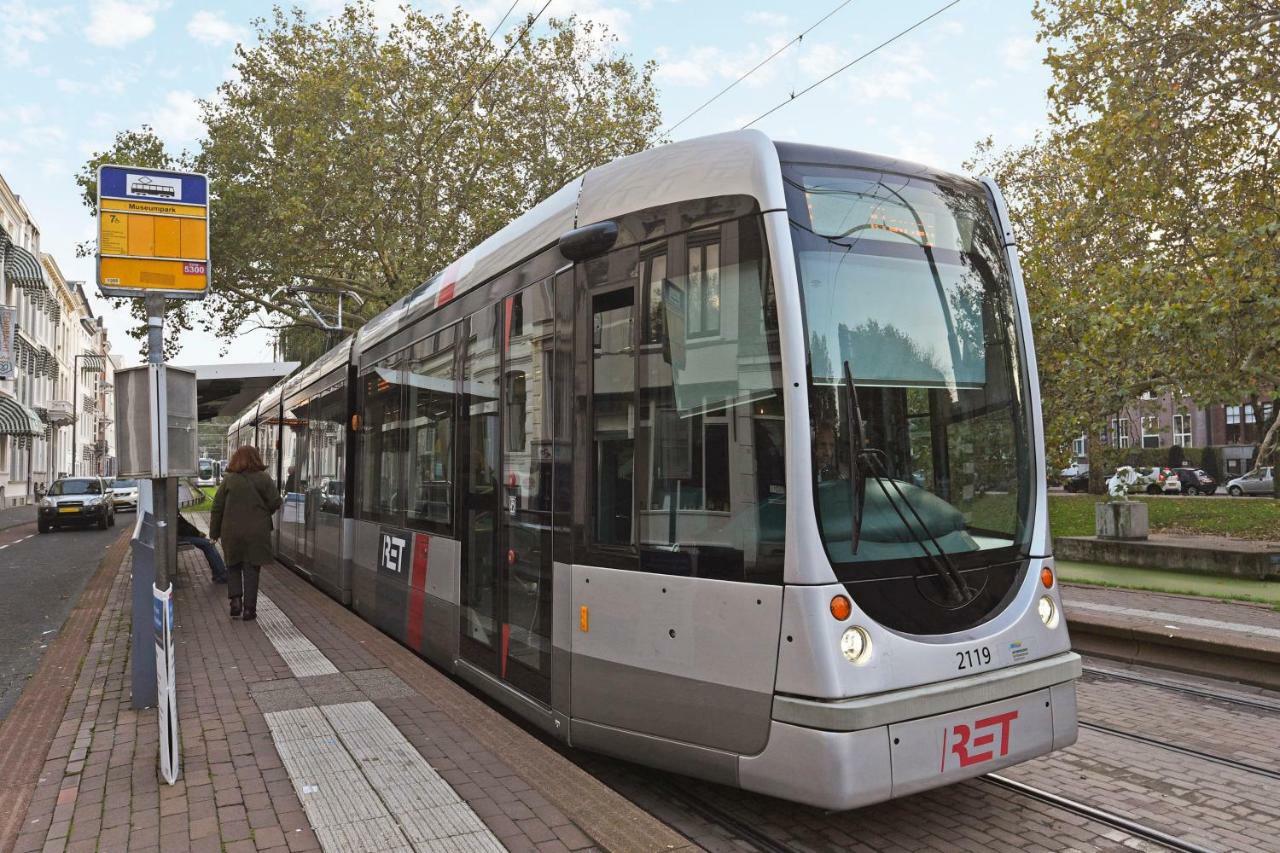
(911, 329)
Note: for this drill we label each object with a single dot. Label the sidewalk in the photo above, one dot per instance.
(307, 730)
(17, 515)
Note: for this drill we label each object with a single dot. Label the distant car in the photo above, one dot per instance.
(1074, 470)
(1078, 483)
(1195, 481)
(125, 493)
(1155, 481)
(77, 501)
(1257, 482)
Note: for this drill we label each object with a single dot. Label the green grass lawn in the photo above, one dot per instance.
(205, 505)
(1124, 577)
(1219, 515)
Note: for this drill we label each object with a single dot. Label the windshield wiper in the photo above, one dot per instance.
(857, 442)
(874, 458)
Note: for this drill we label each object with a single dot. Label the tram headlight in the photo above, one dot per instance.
(855, 644)
(1048, 612)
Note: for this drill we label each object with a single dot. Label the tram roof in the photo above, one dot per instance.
(742, 162)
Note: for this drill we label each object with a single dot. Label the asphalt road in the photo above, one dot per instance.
(40, 579)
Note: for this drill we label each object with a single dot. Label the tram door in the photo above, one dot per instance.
(506, 561)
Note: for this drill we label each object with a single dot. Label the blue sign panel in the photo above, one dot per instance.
(130, 182)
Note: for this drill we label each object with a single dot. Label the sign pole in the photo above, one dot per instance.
(153, 243)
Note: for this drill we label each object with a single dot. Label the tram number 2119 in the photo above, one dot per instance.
(973, 658)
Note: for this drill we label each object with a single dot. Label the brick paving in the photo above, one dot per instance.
(98, 788)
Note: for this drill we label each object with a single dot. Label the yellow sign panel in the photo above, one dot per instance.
(153, 232)
(153, 274)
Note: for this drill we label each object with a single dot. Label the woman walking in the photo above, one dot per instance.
(241, 518)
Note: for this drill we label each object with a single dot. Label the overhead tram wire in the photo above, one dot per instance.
(852, 63)
(760, 65)
(498, 26)
(488, 77)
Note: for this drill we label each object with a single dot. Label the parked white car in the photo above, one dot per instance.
(125, 492)
(1259, 481)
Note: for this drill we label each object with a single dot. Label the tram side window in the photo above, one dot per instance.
(328, 433)
(689, 465)
(431, 408)
(613, 416)
(382, 441)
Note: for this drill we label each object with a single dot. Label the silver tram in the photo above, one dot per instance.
(726, 458)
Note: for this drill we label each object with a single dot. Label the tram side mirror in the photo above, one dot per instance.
(673, 319)
(589, 241)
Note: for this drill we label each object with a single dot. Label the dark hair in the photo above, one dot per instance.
(246, 460)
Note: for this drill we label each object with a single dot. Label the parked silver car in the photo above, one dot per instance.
(1256, 482)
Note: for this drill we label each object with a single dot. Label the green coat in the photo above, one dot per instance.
(241, 517)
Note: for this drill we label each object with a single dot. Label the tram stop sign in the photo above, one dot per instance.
(153, 232)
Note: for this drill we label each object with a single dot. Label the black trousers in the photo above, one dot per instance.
(242, 580)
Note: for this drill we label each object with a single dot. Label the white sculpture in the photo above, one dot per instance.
(1119, 482)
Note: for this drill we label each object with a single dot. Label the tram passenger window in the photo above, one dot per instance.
(613, 421)
(382, 442)
(328, 434)
(710, 437)
(431, 409)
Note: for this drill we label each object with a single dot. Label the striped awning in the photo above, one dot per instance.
(17, 419)
(22, 268)
(93, 363)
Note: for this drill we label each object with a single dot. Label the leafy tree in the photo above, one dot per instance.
(1150, 211)
(344, 156)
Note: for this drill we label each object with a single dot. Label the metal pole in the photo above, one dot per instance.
(164, 504)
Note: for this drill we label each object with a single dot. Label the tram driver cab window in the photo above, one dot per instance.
(687, 422)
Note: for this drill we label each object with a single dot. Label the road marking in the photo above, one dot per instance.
(363, 785)
(1198, 621)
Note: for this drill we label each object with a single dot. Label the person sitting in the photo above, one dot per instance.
(189, 534)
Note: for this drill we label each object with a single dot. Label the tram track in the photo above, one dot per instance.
(1260, 703)
(1108, 818)
(1242, 766)
(721, 817)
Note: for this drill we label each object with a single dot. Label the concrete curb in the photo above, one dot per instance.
(1119, 639)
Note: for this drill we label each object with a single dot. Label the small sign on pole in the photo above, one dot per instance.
(153, 232)
(167, 694)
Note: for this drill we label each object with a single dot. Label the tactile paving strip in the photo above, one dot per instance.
(363, 785)
(298, 652)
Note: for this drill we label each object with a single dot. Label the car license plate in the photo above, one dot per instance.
(68, 509)
(936, 750)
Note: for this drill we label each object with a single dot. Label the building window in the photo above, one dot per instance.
(1233, 424)
(1120, 429)
(1150, 431)
(1249, 416)
(1182, 430)
(1080, 445)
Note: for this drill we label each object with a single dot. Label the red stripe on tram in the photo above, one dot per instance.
(418, 589)
(506, 646)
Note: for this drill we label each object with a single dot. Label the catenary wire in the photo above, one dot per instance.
(758, 66)
(852, 63)
(485, 82)
(498, 25)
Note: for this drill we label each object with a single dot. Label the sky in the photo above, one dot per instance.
(75, 73)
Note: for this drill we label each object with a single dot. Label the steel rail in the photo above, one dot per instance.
(1202, 692)
(1184, 750)
(720, 817)
(1118, 821)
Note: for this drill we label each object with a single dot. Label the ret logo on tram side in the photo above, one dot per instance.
(392, 553)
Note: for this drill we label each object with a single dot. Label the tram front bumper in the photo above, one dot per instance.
(854, 752)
